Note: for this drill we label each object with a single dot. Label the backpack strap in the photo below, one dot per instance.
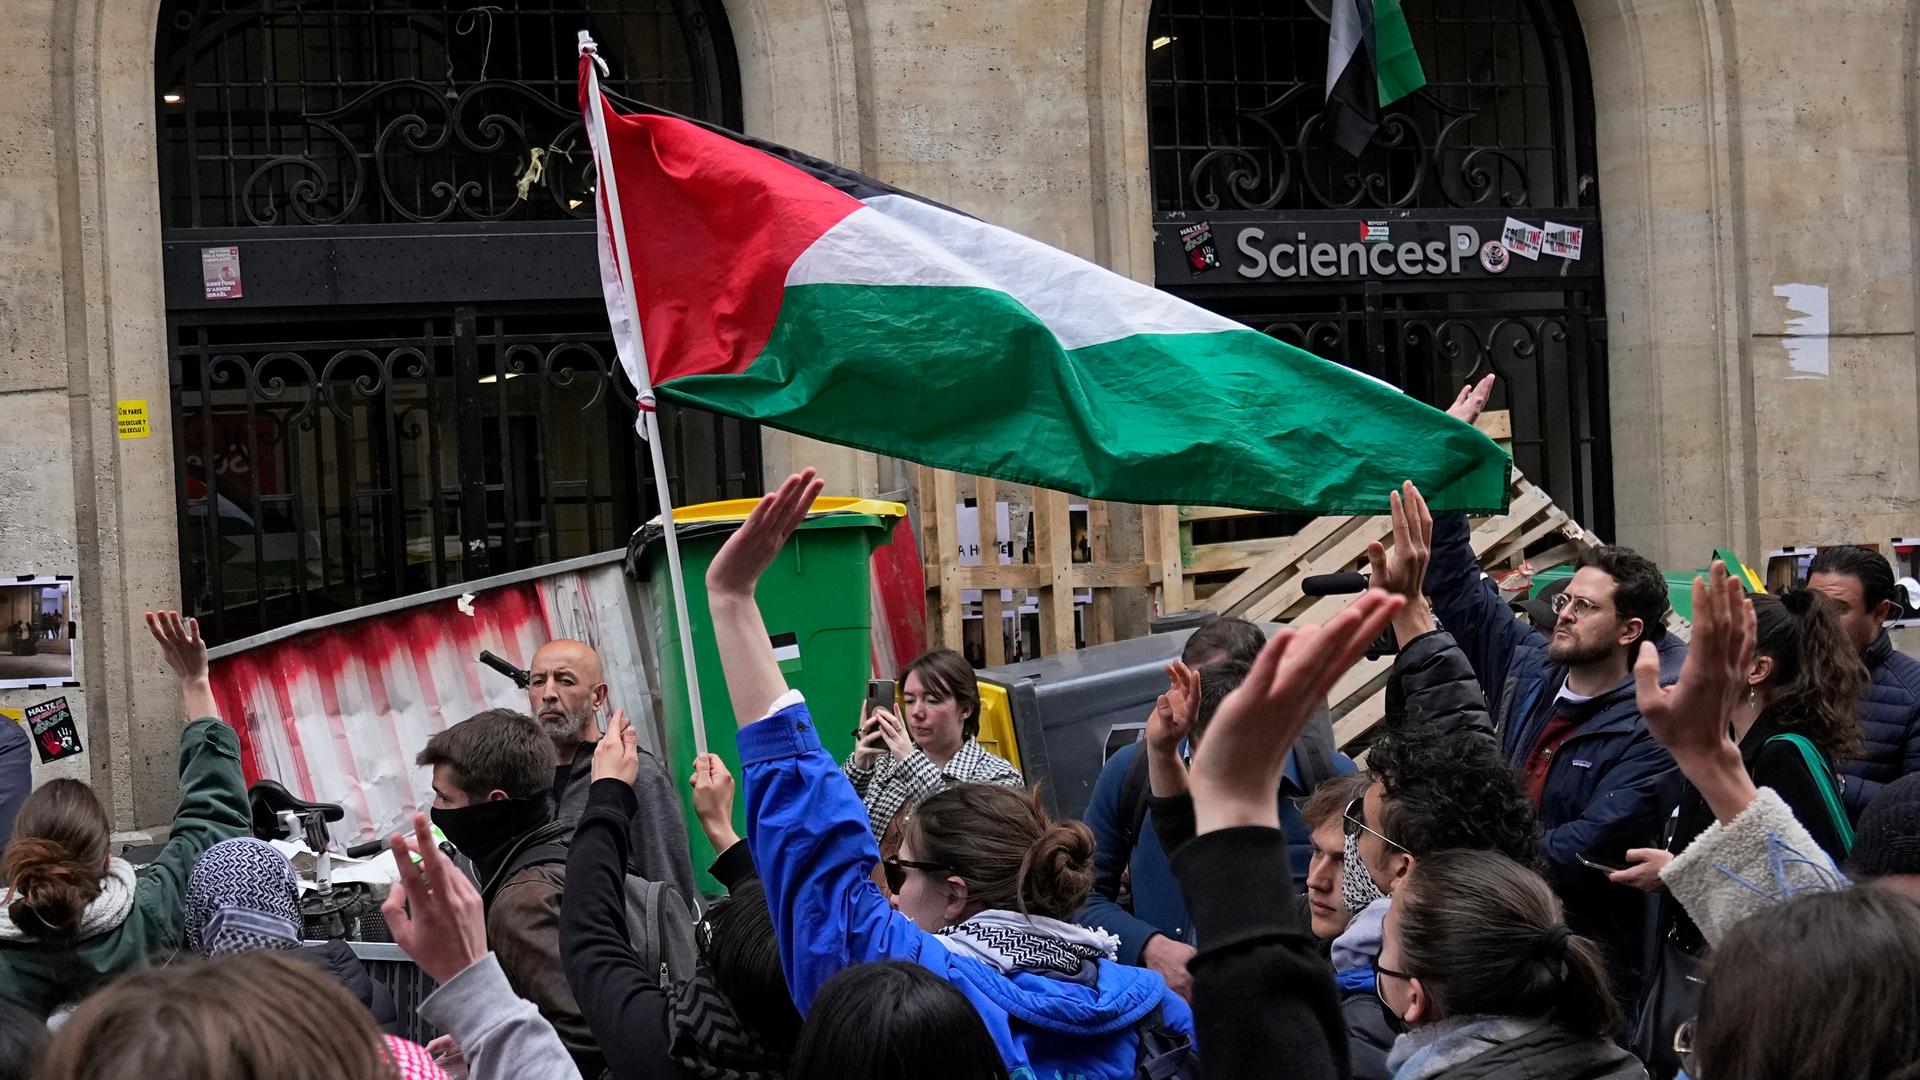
(1132, 810)
(1164, 1054)
(1816, 763)
(553, 851)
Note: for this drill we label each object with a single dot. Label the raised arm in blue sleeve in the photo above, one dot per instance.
(1470, 607)
(1104, 817)
(810, 839)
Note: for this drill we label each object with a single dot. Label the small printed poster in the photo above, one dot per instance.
(220, 272)
(54, 733)
(133, 419)
(1522, 239)
(1561, 240)
(1376, 232)
(1197, 240)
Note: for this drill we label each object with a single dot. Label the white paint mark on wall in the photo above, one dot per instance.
(1806, 337)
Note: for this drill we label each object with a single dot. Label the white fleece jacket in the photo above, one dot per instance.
(1761, 858)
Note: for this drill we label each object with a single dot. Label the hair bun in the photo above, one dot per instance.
(1798, 599)
(48, 890)
(1059, 868)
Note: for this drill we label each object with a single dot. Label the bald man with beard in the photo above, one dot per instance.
(565, 691)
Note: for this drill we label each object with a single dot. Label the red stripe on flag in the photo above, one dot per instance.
(712, 228)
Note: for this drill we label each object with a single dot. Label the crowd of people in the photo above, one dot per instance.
(1585, 849)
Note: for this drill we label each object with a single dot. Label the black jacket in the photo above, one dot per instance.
(338, 959)
(1889, 721)
(1263, 997)
(1550, 1053)
(624, 1004)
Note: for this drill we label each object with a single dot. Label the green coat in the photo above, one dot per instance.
(213, 807)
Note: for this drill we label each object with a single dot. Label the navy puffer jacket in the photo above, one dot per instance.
(1889, 722)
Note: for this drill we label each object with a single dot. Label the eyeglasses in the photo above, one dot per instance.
(1379, 991)
(1582, 607)
(1683, 1045)
(896, 869)
(1351, 819)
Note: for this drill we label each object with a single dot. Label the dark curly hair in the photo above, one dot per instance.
(1639, 592)
(1451, 790)
(1817, 676)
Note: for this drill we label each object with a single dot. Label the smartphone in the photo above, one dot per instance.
(880, 695)
(1600, 866)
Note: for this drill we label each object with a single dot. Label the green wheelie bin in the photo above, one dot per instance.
(816, 599)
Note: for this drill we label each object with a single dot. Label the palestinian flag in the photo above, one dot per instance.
(1370, 64)
(779, 288)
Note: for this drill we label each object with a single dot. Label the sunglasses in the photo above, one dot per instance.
(896, 869)
(1582, 607)
(1351, 820)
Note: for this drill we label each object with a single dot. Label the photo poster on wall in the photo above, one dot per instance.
(37, 630)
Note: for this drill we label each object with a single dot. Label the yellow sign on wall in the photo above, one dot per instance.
(15, 715)
(133, 419)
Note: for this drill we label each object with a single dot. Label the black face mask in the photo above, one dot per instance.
(483, 831)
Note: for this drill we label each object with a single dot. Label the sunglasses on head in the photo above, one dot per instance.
(896, 869)
(1354, 824)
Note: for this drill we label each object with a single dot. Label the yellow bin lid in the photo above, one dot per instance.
(738, 509)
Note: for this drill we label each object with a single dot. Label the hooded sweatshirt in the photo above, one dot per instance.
(138, 913)
(816, 854)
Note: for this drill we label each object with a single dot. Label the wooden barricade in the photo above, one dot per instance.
(1052, 577)
(1269, 590)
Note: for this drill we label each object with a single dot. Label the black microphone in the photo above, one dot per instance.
(1340, 584)
(519, 677)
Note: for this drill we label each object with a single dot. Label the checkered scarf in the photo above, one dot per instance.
(893, 784)
(242, 896)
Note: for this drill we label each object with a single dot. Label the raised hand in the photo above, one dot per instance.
(1691, 718)
(180, 643)
(1692, 715)
(894, 734)
(186, 653)
(752, 547)
(713, 801)
(1472, 400)
(434, 911)
(1173, 714)
(617, 755)
(1404, 569)
(1237, 767)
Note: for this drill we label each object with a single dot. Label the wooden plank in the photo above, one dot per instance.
(1104, 577)
(1496, 424)
(1261, 577)
(1163, 527)
(945, 517)
(1053, 550)
(1360, 719)
(1232, 555)
(1352, 547)
(992, 626)
(1518, 544)
(1094, 576)
(1215, 513)
(1100, 627)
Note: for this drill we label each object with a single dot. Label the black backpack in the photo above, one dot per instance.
(1165, 1054)
(659, 924)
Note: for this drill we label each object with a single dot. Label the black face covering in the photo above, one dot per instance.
(483, 831)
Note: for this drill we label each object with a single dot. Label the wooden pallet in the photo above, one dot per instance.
(1270, 589)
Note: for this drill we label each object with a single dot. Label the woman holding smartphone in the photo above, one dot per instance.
(900, 762)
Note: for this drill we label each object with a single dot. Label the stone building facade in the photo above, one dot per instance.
(1751, 168)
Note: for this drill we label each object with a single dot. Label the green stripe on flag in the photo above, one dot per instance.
(1397, 69)
(968, 379)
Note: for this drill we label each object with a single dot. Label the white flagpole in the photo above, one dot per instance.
(650, 424)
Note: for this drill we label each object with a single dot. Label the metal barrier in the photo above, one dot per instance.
(393, 969)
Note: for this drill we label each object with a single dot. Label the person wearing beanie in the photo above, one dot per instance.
(1886, 846)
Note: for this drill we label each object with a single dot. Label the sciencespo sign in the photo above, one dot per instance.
(1244, 249)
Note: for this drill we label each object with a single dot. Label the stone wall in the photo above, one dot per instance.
(1745, 177)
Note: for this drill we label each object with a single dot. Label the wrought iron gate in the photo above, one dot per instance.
(391, 369)
(1503, 128)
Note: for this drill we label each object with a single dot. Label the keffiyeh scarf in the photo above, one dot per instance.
(708, 1038)
(243, 895)
(1010, 942)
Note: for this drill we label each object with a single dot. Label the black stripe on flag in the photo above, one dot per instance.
(1353, 86)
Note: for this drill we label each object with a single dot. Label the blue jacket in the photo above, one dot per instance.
(16, 774)
(815, 851)
(1610, 787)
(1158, 906)
(1889, 721)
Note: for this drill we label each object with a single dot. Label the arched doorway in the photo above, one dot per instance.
(390, 364)
(1376, 261)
